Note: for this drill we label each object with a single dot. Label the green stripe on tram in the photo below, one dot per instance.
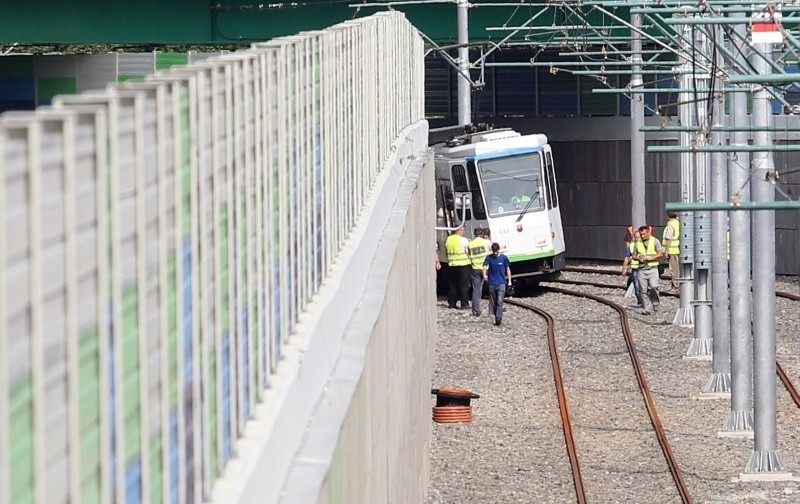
(527, 257)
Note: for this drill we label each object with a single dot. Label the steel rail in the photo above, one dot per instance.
(558, 377)
(787, 382)
(649, 402)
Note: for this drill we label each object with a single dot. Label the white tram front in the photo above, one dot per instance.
(506, 182)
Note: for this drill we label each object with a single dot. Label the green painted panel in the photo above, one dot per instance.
(172, 334)
(255, 343)
(23, 497)
(21, 422)
(186, 165)
(20, 394)
(165, 61)
(130, 78)
(130, 389)
(88, 345)
(89, 405)
(130, 354)
(132, 437)
(224, 266)
(16, 66)
(89, 371)
(90, 490)
(130, 346)
(212, 414)
(156, 478)
(90, 454)
(21, 465)
(48, 87)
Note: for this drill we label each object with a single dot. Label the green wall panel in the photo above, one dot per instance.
(165, 61)
(48, 87)
(130, 78)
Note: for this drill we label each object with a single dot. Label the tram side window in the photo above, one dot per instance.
(551, 182)
(548, 199)
(460, 185)
(478, 208)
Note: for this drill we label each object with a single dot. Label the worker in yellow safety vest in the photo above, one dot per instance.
(630, 268)
(648, 252)
(459, 269)
(478, 250)
(671, 238)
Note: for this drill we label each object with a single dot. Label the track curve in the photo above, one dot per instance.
(650, 404)
(563, 407)
(784, 378)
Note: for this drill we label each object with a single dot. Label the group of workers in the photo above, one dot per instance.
(471, 264)
(643, 255)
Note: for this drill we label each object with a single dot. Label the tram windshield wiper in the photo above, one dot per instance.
(527, 206)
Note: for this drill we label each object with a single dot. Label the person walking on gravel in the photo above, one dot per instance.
(648, 252)
(497, 273)
(671, 238)
(478, 250)
(630, 268)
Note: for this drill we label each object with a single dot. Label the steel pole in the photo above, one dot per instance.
(740, 418)
(464, 88)
(765, 457)
(638, 210)
(719, 383)
(700, 346)
(684, 316)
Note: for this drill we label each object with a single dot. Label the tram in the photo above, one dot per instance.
(504, 181)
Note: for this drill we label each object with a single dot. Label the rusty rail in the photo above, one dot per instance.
(787, 382)
(562, 398)
(650, 405)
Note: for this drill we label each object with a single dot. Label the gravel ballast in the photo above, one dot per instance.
(514, 450)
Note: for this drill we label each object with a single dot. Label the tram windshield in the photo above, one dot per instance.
(512, 184)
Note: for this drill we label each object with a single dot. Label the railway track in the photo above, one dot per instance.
(782, 376)
(563, 407)
(644, 390)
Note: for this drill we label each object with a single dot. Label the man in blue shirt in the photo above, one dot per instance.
(497, 273)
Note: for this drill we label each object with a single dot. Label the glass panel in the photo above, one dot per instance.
(513, 184)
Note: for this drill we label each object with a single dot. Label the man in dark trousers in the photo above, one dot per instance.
(497, 273)
(459, 269)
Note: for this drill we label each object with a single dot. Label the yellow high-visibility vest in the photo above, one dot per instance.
(478, 250)
(649, 250)
(634, 262)
(456, 255)
(675, 244)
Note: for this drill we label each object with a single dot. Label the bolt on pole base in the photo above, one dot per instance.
(718, 386)
(739, 424)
